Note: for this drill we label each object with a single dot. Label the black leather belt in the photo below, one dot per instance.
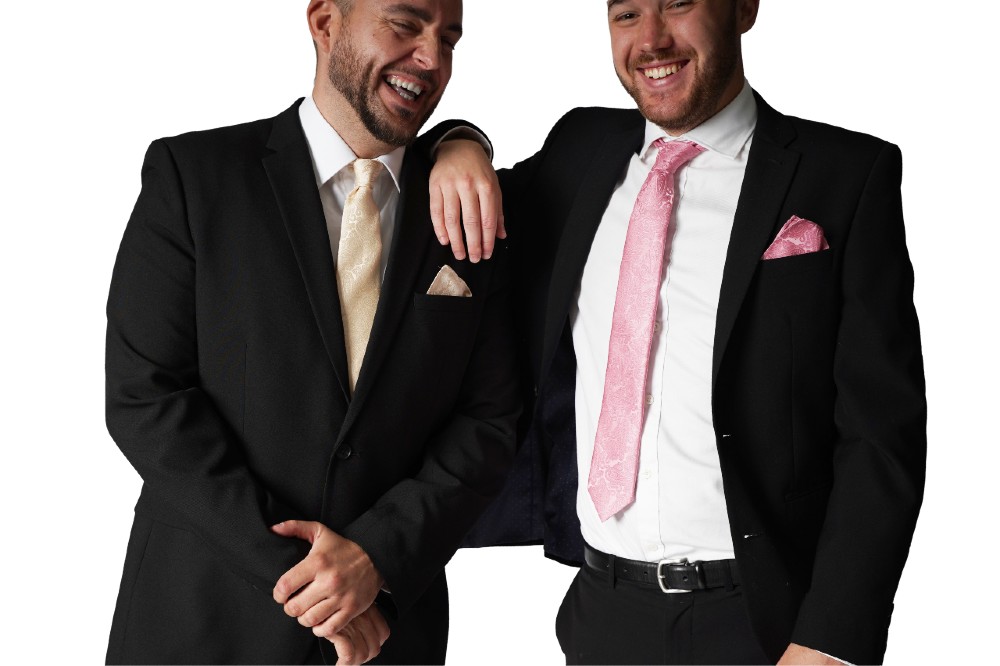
(668, 575)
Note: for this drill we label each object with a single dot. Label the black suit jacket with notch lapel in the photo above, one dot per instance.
(818, 395)
(227, 391)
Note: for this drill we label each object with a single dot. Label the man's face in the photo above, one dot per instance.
(391, 60)
(679, 59)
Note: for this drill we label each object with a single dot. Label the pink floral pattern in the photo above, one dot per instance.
(797, 236)
(615, 463)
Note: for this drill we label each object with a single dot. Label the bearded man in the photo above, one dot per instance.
(319, 399)
(728, 413)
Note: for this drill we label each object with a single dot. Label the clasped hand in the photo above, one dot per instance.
(332, 591)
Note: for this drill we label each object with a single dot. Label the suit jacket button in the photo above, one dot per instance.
(345, 452)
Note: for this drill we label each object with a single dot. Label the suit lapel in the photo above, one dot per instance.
(413, 233)
(596, 186)
(770, 168)
(290, 172)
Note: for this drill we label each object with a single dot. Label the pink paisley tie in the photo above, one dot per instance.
(615, 464)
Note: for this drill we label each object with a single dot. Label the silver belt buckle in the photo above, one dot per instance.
(661, 579)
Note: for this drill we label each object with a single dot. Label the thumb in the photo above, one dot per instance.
(300, 529)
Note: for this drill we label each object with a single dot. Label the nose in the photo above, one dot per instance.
(428, 51)
(655, 33)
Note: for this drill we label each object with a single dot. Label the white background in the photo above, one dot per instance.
(87, 85)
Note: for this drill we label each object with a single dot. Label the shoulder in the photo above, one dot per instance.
(599, 121)
(838, 145)
(230, 145)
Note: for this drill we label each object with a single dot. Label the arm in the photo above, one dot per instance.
(190, 459)
(880, 415)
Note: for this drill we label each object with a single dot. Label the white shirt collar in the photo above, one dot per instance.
(726, 132)
(330, 153)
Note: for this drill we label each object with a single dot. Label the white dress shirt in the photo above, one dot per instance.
(332, 160)
(680, 507)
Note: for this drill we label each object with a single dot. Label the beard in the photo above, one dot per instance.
(358, 82)
(709, 85)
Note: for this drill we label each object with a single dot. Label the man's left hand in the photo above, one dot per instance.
(335, 583)
(798, 655)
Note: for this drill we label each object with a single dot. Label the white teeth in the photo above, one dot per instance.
(400, 83)
(662, 72)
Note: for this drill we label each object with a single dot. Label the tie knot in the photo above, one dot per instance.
(365, 172)
(673, 155)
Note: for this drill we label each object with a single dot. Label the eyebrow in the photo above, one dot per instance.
(612, 3)
(425, 16)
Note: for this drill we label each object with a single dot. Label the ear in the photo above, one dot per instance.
(746, 14)
(325, 20)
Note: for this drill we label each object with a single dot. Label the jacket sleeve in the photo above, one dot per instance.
(189, 457)
(880, 415)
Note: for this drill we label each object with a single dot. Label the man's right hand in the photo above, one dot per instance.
(361, 640)
(465, 193)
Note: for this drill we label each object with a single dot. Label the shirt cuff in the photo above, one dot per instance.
(465, 133)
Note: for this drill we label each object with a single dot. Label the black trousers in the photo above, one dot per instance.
(604, 621)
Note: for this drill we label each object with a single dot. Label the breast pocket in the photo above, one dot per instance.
(444, 329)
(794, 265)
(457, 305)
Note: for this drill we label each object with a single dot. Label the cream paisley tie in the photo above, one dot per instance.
(358, 261)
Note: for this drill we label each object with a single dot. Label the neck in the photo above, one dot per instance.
(342, 117)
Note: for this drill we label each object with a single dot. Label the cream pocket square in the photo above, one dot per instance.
(447, 283)
(797, 236)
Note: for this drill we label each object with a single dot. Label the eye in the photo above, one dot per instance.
(679, 5)
(405, 26)
(449, 45)
(624, 17)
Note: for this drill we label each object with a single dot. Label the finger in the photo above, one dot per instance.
(333, 624)
(366, 630)
(437, 215)
(317, 613)
(452, 219)
(472, 223)
(325, 586)
(489, 208)
(381, 626)
(501, 226)
(344, 645)
(307, 530)
(294, 579)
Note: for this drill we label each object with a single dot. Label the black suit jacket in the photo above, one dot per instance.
(227, 391)
(818, 396)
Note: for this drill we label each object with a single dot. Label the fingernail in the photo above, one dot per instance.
(443, 240)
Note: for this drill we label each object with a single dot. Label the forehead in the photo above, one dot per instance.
(431, 11)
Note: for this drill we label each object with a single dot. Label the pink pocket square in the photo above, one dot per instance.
(798, 236)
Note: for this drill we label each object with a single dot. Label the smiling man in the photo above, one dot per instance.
(728, 413)
(319, 400)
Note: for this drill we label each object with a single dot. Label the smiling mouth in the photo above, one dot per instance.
(663, 72)
(405, 89)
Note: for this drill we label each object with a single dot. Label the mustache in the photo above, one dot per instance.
(649, 57)
(424, 76)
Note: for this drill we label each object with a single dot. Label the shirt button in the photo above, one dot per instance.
(657, 326)
(647, 474)
(345, 452)
(649, 399)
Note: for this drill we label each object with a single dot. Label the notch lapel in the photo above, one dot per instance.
(290, 172)
(413, 233)
(770, 169)
(596, 187)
